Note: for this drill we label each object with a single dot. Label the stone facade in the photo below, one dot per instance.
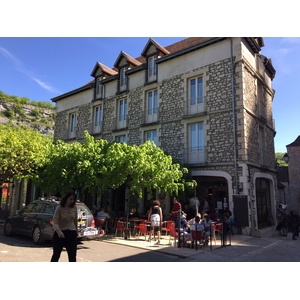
(246, 128)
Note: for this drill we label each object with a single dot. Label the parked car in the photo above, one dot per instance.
(36, 220)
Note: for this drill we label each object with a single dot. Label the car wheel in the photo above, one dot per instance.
(37, 236)
(8, 229)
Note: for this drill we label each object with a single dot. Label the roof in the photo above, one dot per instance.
(104, 69)
(296, 143)
(130, 59)
(170, 50)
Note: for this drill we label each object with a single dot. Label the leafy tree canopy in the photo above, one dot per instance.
(95, 164)
(22, 152)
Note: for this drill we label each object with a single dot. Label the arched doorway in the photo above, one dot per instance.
(214, 189)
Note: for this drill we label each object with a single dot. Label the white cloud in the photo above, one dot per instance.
(19, 66)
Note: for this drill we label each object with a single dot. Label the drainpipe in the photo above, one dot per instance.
(234, 120)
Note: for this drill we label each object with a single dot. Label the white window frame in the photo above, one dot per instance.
(98, 118)
(122, 113)
(100, 88)
(196, 143)
(72, 125)
(195, 95)
(121, 138)
(151, 106)
(123, 81)
(151, 135)
(152, 68)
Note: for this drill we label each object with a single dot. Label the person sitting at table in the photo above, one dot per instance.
(112, 219)
(193, 220)
(206, 222)
(134, 214)
(155, 217)
(104, 216)
(184, 223)
(197, 226)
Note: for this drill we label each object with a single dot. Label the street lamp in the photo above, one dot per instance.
(286, 157)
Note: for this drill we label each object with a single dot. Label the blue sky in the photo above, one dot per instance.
(42, 68)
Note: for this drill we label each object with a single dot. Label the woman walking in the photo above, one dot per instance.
(65, 226)
(155, 216)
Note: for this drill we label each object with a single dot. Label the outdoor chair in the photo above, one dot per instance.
(196, 237)
(121, 226)
(144, 230)
(173, 233)
(166, 227)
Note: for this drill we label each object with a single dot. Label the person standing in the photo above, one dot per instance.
(65, 226)
(293, 224)
(155, 217)
(176, 209)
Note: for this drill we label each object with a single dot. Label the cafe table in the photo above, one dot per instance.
(134, 222)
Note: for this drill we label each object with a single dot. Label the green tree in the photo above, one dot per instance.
(139, 167)
(76, 165)
(279, 159)
(95, 164)
(22, 152)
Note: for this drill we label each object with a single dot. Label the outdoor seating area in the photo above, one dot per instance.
(137, 232)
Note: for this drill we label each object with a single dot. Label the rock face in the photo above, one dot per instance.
(38, 118)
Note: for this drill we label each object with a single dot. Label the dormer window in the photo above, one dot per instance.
(152, 68)
(100, 88)
(123, 79)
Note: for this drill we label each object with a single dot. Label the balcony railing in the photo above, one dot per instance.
(95, 129)
(120, 124)
(149, 116)
(195, 155)
(198, 106)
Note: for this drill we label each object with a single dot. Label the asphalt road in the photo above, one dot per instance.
(247, 249)
(21, 249)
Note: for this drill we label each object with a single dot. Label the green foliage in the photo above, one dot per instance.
(22, 152)
(96, 164)
(24, 100)
(9, 113)
(280, 161)
(36, 113)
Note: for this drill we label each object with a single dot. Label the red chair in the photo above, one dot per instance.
(173, 233)
(144, 230)
(219, 229)
(196, 236)
(121, 226)
(98, 222)
(166, 227)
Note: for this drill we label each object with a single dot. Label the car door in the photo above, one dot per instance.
(28, 217)
(45, 220)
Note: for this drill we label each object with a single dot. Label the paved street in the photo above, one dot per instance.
(242, 249)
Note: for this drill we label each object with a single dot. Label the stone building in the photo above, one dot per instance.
(293, 183)
(205, 101)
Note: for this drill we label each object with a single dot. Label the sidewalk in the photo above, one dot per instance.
(169, 248)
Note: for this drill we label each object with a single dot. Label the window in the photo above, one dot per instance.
(72, 125)
(121, 138)
(196, 144)
(34, 207)
(152, 68)
(98, 117)
(151, 136)
(152, 106)
(99, 88)
(196, 95)
(122, 114)
(123, 79)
